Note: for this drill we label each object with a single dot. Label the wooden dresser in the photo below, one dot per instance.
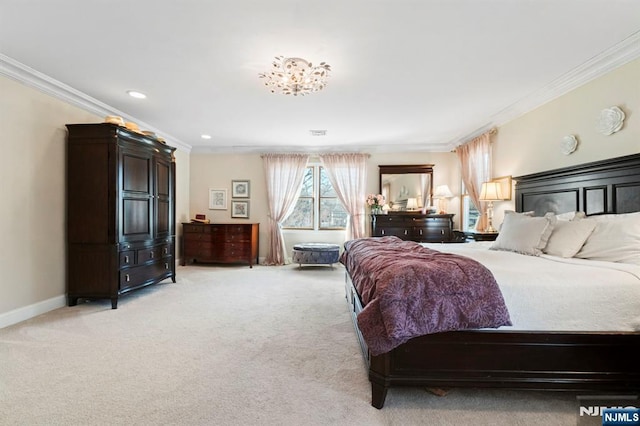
(422, 228)
(220, 243)
(120, 212)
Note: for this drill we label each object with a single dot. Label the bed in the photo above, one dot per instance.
(591, 359)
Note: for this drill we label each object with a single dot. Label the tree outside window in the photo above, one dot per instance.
(318, 206)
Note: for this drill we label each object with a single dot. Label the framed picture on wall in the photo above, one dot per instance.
(240, 209)
(239, 189)
(217, 199)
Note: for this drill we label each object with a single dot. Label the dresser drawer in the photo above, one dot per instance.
(234, 238)
(192, 229)
(199, 253)
(390, 220)
(436, 234)
(237, 249)
(196, 236)
(215, 231)
(403, 233)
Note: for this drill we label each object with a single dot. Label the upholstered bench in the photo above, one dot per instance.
(315, 254)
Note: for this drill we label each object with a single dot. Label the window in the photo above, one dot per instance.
(469, 212)
(318, 207)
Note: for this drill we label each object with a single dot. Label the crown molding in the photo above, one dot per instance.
(616, 56)
(11, 68)
(620, 54)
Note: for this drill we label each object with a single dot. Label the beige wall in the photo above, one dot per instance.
(531, 143)
(218, 170)
(32, 219)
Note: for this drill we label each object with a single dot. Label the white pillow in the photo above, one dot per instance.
(571, 216)
(568, 237)
(616, 238)
(508, 212)
(524, 234)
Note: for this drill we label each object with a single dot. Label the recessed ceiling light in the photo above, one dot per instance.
(136, 95)
(205, 136)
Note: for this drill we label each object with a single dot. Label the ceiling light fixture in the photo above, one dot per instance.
(205, 136)
(295, 76)
(135, 94)
(318, 132)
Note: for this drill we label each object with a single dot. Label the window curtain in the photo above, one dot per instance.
(475, 164)
(284, 174)
(425, 191)
(348, 175)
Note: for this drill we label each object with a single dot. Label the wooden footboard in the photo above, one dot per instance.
(580, 362)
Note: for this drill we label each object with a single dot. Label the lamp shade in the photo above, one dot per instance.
(491, 191)
(412, 204)
(442, 191)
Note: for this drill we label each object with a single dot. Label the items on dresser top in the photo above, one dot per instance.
(422, 228)
(120, 212)
(220, 243)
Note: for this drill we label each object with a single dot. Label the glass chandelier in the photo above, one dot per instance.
(295, 76)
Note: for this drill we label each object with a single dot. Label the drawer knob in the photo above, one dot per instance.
(166, 266)
(383, 232)
(127, 278)
(126, 259)
(405, 232)
(151, 255)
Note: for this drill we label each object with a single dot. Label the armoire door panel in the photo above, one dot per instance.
(136, 220)
(163, 179)
(135, 173)
(163, 223)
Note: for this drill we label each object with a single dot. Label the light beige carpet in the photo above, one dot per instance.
(226, 345)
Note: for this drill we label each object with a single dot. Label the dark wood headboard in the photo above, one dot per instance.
(606, 186)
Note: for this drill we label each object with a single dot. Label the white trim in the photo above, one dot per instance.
(622, 53)
(616, 56)
(13, 69)
(30, 311)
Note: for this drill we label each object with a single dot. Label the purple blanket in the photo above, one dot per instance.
(408, 290)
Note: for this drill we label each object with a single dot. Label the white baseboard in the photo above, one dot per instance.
(30, 311)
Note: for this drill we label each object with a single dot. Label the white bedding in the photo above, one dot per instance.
(549, 293)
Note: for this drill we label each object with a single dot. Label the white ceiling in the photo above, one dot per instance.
(419, 75)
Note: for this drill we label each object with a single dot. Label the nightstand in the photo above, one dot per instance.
(480, 236)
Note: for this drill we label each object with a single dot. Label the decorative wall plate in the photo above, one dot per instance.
(569, 144)
(610, 120)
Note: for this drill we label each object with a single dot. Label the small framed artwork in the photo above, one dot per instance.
(239, 189)
(240, 209)
(217, 199)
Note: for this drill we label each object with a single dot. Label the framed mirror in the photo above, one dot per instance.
(407, 187)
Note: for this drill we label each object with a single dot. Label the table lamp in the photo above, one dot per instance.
(412, 204)
(490, 192)
(441, 193)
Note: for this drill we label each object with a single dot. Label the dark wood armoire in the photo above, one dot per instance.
(120, 212)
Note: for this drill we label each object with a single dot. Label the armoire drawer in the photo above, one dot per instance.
(138, 275)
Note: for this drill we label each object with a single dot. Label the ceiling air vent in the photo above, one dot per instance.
(318, 132)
